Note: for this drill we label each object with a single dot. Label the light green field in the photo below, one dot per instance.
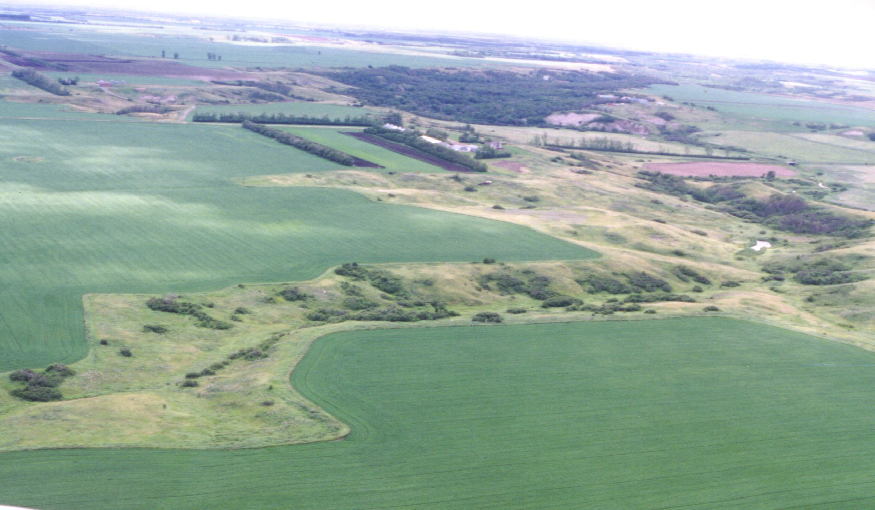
(792, 146)
(333, 111)
(193, 50)
(392, 161)
(768, 107)
(684, 413)
(140, 207)
(9, 110)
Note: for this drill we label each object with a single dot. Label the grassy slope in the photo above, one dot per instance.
(706, 412)
(134, 207)
(823, 149)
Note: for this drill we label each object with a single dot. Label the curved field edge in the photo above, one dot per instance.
(683, 412)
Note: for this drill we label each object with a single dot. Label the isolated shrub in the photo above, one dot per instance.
(358, 303)
(697, 289)
(192, 375)
(486, 317)
(685, 273)
(154, 328)
(595, 284)
(711, 308)
(498, 207)
(532, 198)
(267, 403)
(293, 294)
(23, 375)
(648, 283)
(730, 283)
(242, 310)
(125, 352)
(560, 301)
(189, 383)
(60, 369)
(37, 393)
(650, 310)
(516, 310)
(104, 342)
(489, 260)
(470, 188)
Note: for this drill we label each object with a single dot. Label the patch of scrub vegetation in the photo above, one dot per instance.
(40, 386)
(819, 270)
(783, 211)
(384, 383)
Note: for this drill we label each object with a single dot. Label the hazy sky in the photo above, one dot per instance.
(817, 31)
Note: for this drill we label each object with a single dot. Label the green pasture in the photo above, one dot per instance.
(334, 137)
(680, 413)
(145, 207)
(334, 111)
(765, 106)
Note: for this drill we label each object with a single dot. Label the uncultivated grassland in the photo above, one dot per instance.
(703, 412)
(136, 207)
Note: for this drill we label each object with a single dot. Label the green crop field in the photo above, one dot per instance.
(333, 137)
(768, 107)
(140, 207)
(334, 111)
(824, 149)
(193, 50)
(692, 413)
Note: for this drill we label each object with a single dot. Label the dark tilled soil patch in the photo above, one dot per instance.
(408, 151)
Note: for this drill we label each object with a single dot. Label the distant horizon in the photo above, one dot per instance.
(779, 30)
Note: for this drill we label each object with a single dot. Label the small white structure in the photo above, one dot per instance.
(393, 127)
(463, 147)
(431, 139)
(761, 245)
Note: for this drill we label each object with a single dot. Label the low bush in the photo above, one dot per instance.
(189, 383)
(516, 310)
(37, 393)
(125, 352)
(486, 317)
(711, 308)
(648, 283)
(154, 328)
(560, 301)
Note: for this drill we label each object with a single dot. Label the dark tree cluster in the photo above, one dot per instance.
(282, 118)
(40, 81)
(483, 96)
(412, 139)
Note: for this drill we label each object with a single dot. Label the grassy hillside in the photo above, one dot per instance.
(689, 412)
(135, 207)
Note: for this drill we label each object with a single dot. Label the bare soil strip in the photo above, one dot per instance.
(410, 152)
(706, 168)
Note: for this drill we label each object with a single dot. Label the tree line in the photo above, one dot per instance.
(282, 118)
(40, 81)
(317, 149)
(411, 139)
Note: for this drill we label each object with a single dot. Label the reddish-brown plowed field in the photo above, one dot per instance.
(410, 152)
(706, 168)
(78, 63)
